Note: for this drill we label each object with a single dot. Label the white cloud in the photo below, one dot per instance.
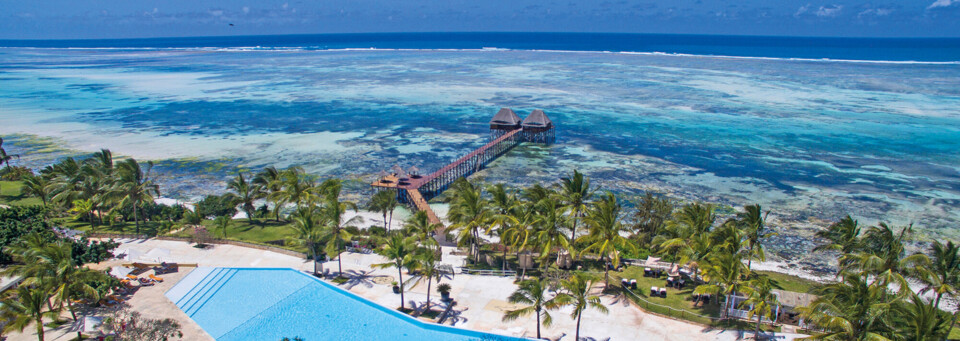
(943, 3)
(831, 11)
(246, 9)
(803, 9)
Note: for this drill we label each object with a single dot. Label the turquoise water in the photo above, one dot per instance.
(269, 304)
(811, 140)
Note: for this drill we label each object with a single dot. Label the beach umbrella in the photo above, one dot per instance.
(120, 271)
(414, 170)
(133, 255)
(396, 169)
(157, 254)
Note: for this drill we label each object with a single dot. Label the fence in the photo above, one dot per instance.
(671, 311)
(501, 273)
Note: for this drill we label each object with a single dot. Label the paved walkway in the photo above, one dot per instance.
(481, 300)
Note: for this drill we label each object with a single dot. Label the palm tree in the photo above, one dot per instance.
(41, 262)
(842, 236)
(309, 231)
(549, 233)
(400, 251)
(576, 293)
(272, 183)
(134, 187)
(533, 293)
(605, 235)
(36, 186)
(651, 216)
(920, 320)
(26, 307)
(222, 223)
(469, 213)
(503, 203)
(852, 309)
(247, 193)
(83, 208)
(297, 188)
(576, 193)
(426, 266)
(943, 273)
(752, 220)
(420, 227)
(884, 256)
(520, 233)
(384, 202)
(761, 300)
(723, 275)
(688, 234)
(4, 157)
(335, 227)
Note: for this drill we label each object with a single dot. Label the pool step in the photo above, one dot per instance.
(209, 286)
(190, 295)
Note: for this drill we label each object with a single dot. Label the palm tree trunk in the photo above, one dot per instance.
(577, 335)
(314, 262)
(756, 334)
(400, 276)
(573, 232)
(504, 258)
(936, 303)
(340, 264)
(391, 218)
(136, 219)
(429, 282)
(750, 258)
(39, 327)
(538, 325)
(385, 226)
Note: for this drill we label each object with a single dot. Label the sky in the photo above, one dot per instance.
(97, 19)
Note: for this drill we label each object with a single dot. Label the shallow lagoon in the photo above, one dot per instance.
(813, 140)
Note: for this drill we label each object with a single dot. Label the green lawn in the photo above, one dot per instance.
(676, 299)
(788, 282)
(10, 195)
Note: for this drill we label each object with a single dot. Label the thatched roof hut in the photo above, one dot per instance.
(505, 119)
(537, 119)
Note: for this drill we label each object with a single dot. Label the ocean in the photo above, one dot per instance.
(811, 128)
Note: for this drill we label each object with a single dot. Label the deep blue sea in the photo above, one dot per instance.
(874, 49)
(811, 128)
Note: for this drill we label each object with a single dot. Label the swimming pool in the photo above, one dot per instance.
(269, 304)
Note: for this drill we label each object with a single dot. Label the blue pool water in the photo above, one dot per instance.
(269, 304)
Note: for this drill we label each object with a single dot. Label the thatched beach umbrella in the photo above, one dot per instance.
(413, 170)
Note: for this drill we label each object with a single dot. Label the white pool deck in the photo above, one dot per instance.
(481, 299)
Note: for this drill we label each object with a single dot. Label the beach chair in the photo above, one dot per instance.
(146, 281)
(647, 272)
(670, 281)
(624, 283)
(633, 284)
(133, 277)
(663, 292)
(654, 291)
(141, 266)
(155, 278)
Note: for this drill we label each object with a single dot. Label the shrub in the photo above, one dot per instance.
(19, 221)
(217, 205)
(91, 251)
(14, 173)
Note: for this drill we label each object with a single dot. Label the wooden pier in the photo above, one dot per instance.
(506, 132)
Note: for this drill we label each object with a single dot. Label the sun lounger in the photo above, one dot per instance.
(633, 284)
(663, 292)
(146, 281)
(654, 291)
(647, 272)
(155, 278)
(133, 277)
(141, 266)
(624, 283)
